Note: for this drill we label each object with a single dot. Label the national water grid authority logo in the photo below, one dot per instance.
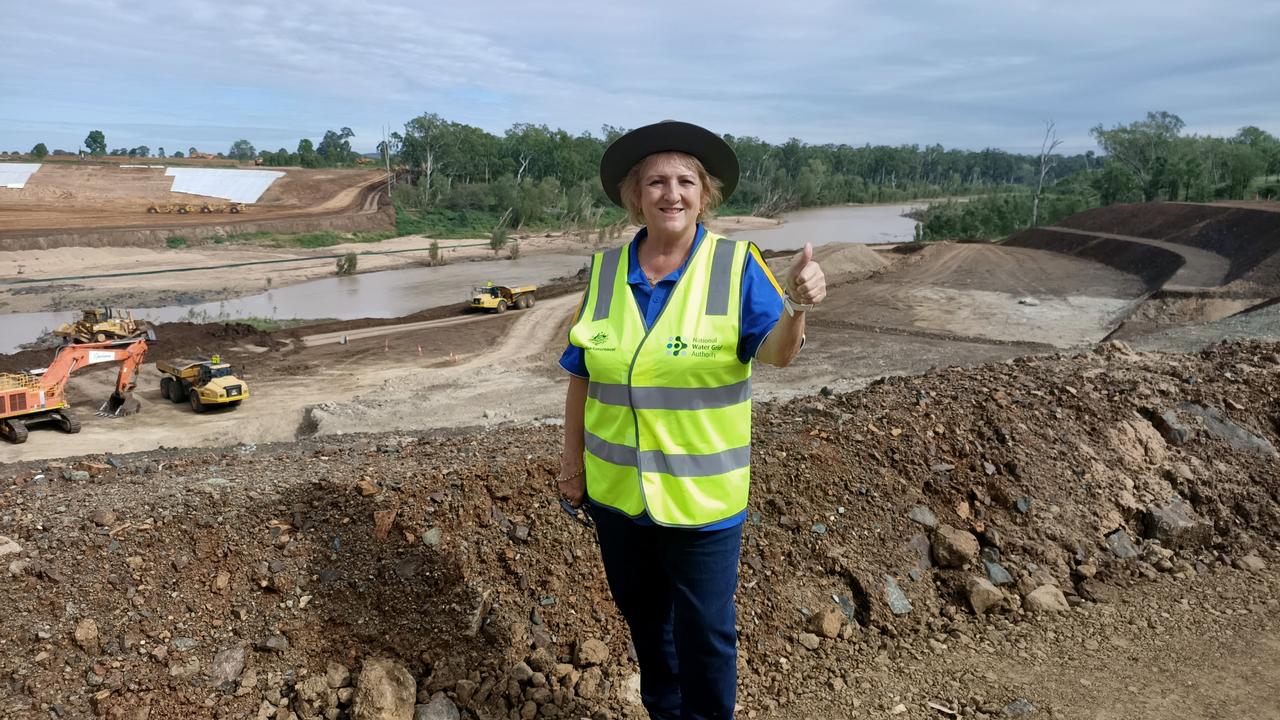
(676, 346)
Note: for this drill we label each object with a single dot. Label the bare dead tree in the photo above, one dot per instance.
(1047, 161)
(386, 156)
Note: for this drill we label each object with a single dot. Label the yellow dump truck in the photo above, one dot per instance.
(203, 383)
(497, 298)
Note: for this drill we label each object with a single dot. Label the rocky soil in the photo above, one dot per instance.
(961, 543)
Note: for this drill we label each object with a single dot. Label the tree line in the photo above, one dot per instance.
(454, 177)
(334, 150)
(1143, 161)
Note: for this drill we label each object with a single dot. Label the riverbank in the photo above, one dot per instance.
(280, 267)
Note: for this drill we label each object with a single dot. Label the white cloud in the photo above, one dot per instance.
(967, 74)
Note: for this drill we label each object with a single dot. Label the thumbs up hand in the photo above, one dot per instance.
(805, 283)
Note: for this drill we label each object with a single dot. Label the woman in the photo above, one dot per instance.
(658, 410)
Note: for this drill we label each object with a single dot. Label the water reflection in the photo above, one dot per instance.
(390, 293)
(866, 224)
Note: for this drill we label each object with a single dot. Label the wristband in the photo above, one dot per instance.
(794, 307)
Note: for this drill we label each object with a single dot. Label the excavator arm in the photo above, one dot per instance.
(129, 354)
(122, 401)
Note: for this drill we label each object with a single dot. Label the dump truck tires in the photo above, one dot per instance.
(502, 307)
(196, 405)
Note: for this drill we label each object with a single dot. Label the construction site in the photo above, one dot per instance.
(1036, 478)
(105, 204)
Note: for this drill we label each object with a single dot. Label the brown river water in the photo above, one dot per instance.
(393, 293)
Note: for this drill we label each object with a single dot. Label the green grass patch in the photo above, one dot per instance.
(174, 242)
(272, 324)
(459, 224)
(318, 239)
(447, 224)
(250, 237)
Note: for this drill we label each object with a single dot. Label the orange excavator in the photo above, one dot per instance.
(35, 397)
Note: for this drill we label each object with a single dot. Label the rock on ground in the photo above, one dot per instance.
(227, 665)
(86, 635)
(591, 652)
(983, 595)
(1176, 524)
(1046, 598)
(8, 547)
(440, 708)
(828, 623)
(1251, 563)
(385, 691)
(953, 548)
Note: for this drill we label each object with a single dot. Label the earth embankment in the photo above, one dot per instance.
(1246, 237)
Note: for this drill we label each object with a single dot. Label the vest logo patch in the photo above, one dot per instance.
(693, 346)
(599, 338)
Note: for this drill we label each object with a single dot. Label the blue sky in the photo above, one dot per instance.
(967, 74)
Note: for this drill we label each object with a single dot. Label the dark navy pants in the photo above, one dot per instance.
(675, 588)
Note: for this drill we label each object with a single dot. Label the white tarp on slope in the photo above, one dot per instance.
(236, 185)
(14, 175)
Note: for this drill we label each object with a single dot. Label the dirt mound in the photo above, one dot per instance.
(1162, 310)
(841, 262)
(996, 292)
(227, 583)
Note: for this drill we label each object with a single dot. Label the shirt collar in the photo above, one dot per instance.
(635, 273)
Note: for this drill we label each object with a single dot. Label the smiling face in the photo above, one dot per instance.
(670, 193)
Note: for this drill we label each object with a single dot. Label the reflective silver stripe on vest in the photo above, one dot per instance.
(721, 276)
(608, 272)
(664, 398)
(688, 466)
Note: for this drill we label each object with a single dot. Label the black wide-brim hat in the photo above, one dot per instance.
(668, 136)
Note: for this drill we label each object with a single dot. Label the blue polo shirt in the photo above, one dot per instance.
(761, 308)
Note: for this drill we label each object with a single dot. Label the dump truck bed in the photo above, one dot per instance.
(177, 365)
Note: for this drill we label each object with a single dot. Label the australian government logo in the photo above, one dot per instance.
(682, 346)
(601, 342)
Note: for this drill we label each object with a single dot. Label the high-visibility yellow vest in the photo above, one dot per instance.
(668, 410)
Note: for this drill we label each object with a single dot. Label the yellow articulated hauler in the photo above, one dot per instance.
(498, 298)
(202, 383)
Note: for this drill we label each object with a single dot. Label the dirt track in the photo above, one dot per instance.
(1201, 269)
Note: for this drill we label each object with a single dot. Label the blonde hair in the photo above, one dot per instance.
(711, 194)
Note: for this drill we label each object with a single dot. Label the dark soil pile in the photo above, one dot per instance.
(958, 508)
(1247, 237)
(173, 340)
(1152, 264)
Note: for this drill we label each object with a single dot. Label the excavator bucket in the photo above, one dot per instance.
(119, 405)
